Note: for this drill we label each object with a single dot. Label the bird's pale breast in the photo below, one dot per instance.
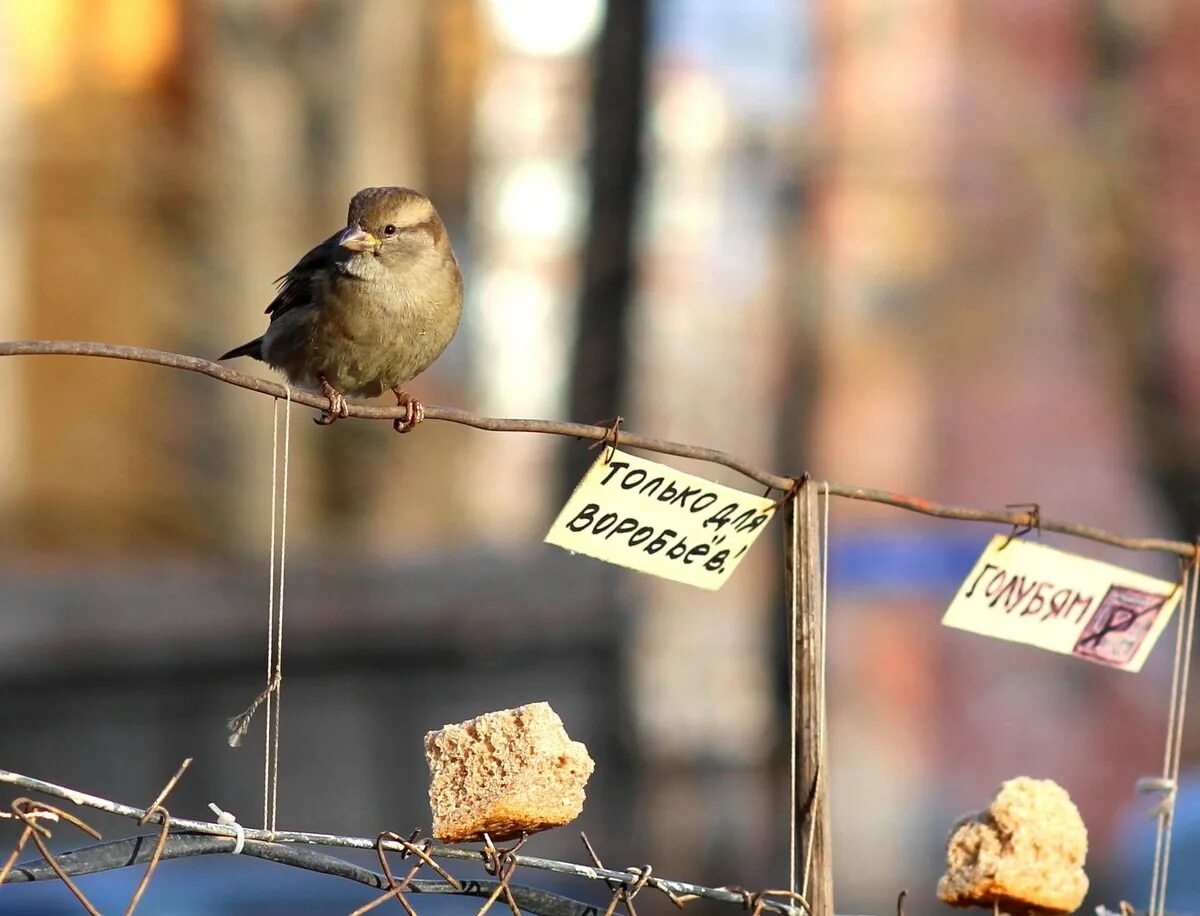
(366, 334)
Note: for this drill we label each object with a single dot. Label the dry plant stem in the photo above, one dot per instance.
(631, 878)
(583, 431)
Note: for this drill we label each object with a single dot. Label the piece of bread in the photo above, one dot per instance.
(505, 773)
(1025, 852)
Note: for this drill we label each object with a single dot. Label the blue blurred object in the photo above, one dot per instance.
(1136, 853)
(211, 884)
(899, 561)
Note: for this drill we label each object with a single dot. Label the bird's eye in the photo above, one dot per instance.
(389, 229)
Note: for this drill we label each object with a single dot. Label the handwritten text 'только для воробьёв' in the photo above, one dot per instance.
(652, 518)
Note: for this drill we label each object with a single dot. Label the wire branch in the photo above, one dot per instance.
(612, 877)
(586, 431)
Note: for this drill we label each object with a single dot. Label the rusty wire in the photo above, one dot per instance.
(1033, 521)
(29, 812)
(614, 426)
(758, 901)
(166, 789)
(395, 889)
(24, 836)
(164, 820)
(18, 848)
(24, 809)
(763, 897)
(593, 432)
(615, 886)
(422, 853)
(501, 863)
(625, 891)
(163, 832)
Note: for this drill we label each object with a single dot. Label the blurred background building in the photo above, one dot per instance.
(940, 247)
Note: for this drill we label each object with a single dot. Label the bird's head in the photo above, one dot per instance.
(392, 223)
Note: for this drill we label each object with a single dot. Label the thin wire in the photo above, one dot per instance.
(1183, 657)
(793, 824)
(271, 607)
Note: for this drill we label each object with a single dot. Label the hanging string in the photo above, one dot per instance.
(275, 651)
(268, 692)
(271, 693)
(1176, 718)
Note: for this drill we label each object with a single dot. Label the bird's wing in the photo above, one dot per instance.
(298, 286)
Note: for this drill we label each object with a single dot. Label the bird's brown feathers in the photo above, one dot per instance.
(296, 287)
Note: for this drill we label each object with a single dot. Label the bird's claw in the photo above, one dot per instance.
(338, 407)
(414, 412)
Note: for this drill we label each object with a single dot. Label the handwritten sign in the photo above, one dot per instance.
(1026, 592)
(646, 516)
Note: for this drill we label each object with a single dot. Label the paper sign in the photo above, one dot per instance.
(1026, 592)
(646, 516)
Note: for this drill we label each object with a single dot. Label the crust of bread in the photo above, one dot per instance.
(505, 773)
(1025, 852)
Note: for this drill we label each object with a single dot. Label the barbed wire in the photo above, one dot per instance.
(138, 850)
(1018, 517)
(184, 837)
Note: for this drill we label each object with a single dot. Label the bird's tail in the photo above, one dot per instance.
(252, 349)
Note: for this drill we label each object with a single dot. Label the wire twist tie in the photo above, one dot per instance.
(1034, 513)
(792, 492)
(643, 875)
(614, 429)
(1149, 785)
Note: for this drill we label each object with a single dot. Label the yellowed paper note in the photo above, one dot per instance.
(646, 516)
(1026, 592)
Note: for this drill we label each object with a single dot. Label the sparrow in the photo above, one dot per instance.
(369, 308)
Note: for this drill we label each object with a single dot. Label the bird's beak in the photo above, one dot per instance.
(356, 238)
